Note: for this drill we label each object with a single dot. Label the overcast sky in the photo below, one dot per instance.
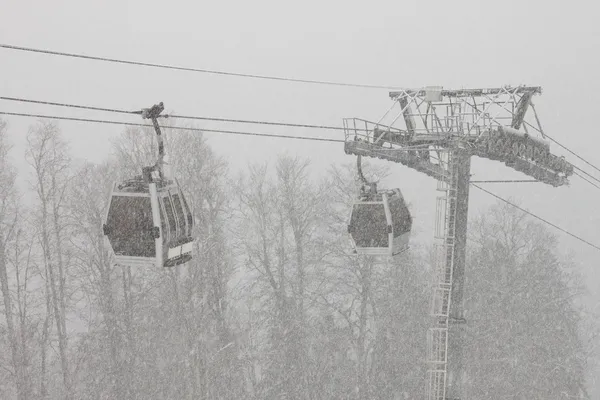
(553, 44)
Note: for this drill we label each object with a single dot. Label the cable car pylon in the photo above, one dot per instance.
(148, 221)
(436, 131)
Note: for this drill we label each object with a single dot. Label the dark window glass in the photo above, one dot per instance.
(369, 225)
(401, 219)
(179, 212)
(170, 217)
(188, 214)
(130, 223)
(163, 221)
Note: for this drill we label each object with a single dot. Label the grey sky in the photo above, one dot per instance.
(552, 44)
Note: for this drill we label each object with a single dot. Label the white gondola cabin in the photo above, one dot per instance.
(149, 222)
(380, 224)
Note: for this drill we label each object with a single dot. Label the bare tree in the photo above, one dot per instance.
(261, 234)
(524, 336)
(10, 233)
(88, 202)
(47, 154)
(280, 222)
(304, 205)
(203, 177)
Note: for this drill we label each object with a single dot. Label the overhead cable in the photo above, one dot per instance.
(258, 122)
(183, 128)
(277, 136)
(508, 181)
(51, 103)
(572, 152)
(277, 78)
(535, 216)
(120, 111)
(587, 180)
(189, 69)
(113, 110)
(586, 173)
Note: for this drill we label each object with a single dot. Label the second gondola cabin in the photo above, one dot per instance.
(380, 225)
(149, 222)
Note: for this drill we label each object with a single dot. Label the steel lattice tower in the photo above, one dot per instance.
(436, 132)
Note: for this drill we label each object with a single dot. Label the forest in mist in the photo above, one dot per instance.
(274, 304)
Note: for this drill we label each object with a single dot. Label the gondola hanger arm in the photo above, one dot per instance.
(371, 185)
(153, 113)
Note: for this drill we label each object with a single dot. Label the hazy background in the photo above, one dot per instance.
(398, 43)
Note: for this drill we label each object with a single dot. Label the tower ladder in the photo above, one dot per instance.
(444, 240)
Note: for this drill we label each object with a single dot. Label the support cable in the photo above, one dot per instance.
(113, 110)
(189, 69)
(509, 181)
(572, 152)
(165, 66)
(535, 216)
(283, 137)
(183, 128)
(587, 180)
(258, 122)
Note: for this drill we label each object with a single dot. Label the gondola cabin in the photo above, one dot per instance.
(380, 225)
(149, 223)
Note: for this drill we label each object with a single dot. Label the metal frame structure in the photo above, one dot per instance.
(436, 131)
(490, 123)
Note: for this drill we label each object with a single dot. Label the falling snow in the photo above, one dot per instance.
(271, 242)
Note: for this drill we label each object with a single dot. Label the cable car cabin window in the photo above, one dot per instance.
(369, 225)
(190, 218)
(401, 219)
(170, 217)
(179, 213)
(130, 222)
(164, 227)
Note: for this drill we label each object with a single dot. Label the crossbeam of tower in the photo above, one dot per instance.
(436, 131)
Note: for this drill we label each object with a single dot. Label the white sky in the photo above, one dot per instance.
(553, 44)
